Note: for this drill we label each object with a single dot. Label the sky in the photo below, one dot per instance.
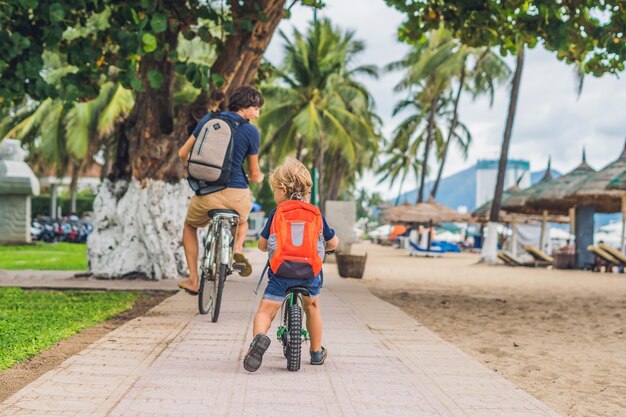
(551, 120)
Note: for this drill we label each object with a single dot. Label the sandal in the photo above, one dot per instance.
(246, 267)
(187, 290)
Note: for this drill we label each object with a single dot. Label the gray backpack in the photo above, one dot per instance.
(210, 161)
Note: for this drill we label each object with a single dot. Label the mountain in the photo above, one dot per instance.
(460, 189)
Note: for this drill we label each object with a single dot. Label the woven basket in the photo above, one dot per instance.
(351, 266)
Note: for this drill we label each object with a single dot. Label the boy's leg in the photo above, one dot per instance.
(264, 316)
(313, 322)
(262, 321)
(190, 245)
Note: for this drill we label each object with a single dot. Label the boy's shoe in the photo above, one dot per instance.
(244, 267)
(318, 358)
(254, 357)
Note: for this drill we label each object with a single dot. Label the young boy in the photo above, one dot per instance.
(290, 181)
(243, 105)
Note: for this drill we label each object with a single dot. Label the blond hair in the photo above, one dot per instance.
(293, 178)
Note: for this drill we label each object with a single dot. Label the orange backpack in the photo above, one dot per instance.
(296, 243)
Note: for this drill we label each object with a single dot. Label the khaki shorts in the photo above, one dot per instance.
(238, 199)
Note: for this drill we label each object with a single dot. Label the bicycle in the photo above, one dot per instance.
(217, 260)
(290, 332)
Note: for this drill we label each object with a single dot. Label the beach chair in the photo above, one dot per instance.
(512, 260)
(507, 261)
(603, 258)
(416, 250)
(617, 255)
(541, 258)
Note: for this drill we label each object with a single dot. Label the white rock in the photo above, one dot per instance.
(138, 229)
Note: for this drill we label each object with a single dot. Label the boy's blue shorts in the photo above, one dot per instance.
(277, 287)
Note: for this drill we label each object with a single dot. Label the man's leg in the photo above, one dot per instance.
(241, 237)
(190, 245)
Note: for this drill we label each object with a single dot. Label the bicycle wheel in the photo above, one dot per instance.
(205, 293)
(284, 338)
(219, 288)
(294, 350)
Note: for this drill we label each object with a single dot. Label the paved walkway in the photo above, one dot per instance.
(175, 362)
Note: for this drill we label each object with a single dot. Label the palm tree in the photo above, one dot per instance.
(488, 70)
(67, 136)
(429, 67)
(315, 106)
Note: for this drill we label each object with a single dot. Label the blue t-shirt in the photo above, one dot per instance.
(246, 143)
(328, 232)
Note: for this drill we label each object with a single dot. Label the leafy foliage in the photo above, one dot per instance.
(587, 32)
(96, 37)
(31, 321)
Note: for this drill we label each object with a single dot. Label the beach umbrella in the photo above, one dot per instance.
(516, 202)
(594, 191)
(551, 195)
(428, 212)
(618, 183)
(597, 191)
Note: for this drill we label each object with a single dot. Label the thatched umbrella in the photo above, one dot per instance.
(594, 189)
(425, 213)
(429, 212)
(551, 195)
(618, 183)
(516, 202)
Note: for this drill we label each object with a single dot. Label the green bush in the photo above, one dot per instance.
(40, 205)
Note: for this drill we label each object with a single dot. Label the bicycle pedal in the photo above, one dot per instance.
(239, 266)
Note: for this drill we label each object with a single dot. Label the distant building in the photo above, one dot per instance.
(487, 175)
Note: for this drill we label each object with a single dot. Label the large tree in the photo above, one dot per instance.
(141, 207)
(588, 33)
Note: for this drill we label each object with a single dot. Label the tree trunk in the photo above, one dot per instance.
(141, 208)
(300, 147)
(73, 184)
(497, 198)
(401, 184)
(489, 250)
(334, 181)
(453, 123)
(320, 169)
(429, 138)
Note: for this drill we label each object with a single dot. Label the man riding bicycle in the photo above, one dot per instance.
(243, 106)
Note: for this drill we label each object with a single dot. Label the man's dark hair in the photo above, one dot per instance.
(245, 97)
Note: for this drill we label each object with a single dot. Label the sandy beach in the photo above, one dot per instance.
(560, 335)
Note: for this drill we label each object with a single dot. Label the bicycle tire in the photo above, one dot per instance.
(219, 281)
(204, 294)
(294, 350)
(284, 338)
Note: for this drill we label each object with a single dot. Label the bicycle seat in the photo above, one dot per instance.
(222, 211)
(298, 290)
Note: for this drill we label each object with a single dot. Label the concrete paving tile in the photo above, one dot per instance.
(176, 362)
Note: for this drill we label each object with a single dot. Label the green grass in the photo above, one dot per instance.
(31, 321)
(50, 256)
